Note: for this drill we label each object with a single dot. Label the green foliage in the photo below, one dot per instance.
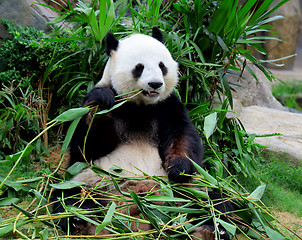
(283, 184)
(207, 45)
(18, 120)
(287, 93)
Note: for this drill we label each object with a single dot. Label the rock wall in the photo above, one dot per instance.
(289, 29)
(26, 13)
(29, 14)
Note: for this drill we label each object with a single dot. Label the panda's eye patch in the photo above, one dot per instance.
(163, 68)
(138, 70)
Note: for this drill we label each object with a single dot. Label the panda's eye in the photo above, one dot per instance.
(138, 70)
(163, 68)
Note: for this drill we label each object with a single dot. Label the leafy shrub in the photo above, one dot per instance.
(287, 94)
(30, 85)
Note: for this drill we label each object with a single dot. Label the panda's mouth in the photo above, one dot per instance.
(150, 93)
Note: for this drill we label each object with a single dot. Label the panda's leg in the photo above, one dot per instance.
(208, 229)
(207, 232)
(78, 197)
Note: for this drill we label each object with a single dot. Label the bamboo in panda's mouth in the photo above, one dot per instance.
(150, 93)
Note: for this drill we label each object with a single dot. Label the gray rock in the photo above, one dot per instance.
(261, 113)
(262, 120)
(25, 13)
(250, 92)
(289, 30)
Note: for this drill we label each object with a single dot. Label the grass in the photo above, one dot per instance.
(286, 93)
(283, 193)
(283, 184)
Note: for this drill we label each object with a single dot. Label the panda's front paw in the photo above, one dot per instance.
(103, 97)
(178, 168)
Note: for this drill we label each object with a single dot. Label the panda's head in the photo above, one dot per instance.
(140, 62)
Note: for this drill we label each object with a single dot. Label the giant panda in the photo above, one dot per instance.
(151, 133)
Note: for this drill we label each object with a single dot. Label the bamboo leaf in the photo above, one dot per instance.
(155, 198)
(8, 201)
(258, 192)
(74, 211)
(210, 124)
(39, 197)
(109, 110)
(273, 234)
(67, 185)
(195, 192)
(228, 226)
(76, 168)
(188, 209)
(107, 218)
(44, 234)
(69, 135)
(206, 175)
(9, 228)
(14, 157)
(72, 114)
(141, 207)
(101, 171)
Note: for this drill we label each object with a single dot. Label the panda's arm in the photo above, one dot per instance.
(101, 96)
(102, 137)
(178, 140)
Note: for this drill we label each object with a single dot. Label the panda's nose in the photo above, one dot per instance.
(155, 85)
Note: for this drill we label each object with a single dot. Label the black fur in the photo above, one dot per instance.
(163, 68)
(73, 197)
(99, 132)
(111, 43)
(138, 70)
(157, 34)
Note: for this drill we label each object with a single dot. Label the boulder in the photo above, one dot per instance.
(27, 14)
(263, 120)
(250, 92)
(261, 113)
(289, 30)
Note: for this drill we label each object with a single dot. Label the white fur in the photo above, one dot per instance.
(134, 157)
(148, 51)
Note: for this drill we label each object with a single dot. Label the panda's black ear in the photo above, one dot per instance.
(157, 34)
(111, 43)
